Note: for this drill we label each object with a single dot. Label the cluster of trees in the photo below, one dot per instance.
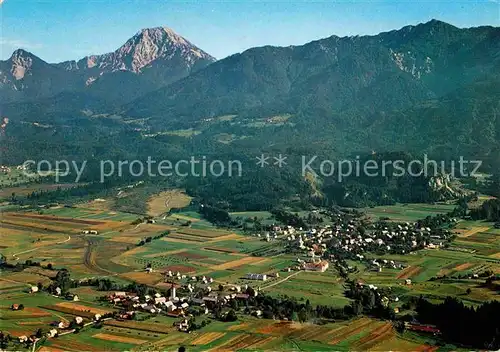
(478, 327)
(20, 266)
(62, 195)
(64, 282)
(149, 238)
(288, 218)
(489, 210)
(5, 340)
(368, 301)
(194, 325)
(141, 220)
(215, 215)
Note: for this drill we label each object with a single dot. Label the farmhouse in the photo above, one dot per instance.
(62, 325)
(126, 316)
(72, 297)
(160, 300)
(52, 333)
(260, 277)
(176, 313)
(319, 266)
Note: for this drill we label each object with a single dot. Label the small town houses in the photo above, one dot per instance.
(196, 295)
(351, 237)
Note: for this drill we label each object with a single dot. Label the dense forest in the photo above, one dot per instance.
(478, 327)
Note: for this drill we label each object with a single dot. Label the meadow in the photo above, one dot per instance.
(408, 212)
(197, 248)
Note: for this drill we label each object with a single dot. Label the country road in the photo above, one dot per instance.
(280, 281)
(34, 249)
(89, 258)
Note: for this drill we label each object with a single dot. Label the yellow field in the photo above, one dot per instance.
(37, 222)
(50, 349)
(472, 231)
(238, 262)
(83, 308)
(144, 230)
(230, 237)
(242, 326)
(352, 329)
(125, 239)
(165, 201)
(143, 277)
(116, 338)
(207, 338)
(97, 205)
(496, 255)
(244, 341)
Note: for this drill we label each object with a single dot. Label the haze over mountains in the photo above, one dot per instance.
(431, 87)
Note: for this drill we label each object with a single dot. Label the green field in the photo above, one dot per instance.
(226, 257)
(408, 212)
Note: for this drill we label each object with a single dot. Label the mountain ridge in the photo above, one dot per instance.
(334, 70)
(411, 89)
(157, 55)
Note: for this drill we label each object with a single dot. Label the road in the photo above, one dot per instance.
(16, 282)
(89, 260)
(34, 249)
(280, 281)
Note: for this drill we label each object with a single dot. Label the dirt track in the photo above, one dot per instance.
(89, 257)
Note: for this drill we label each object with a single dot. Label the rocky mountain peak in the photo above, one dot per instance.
(142, 50)
(21, 63)
(151, 44)
(155, 56)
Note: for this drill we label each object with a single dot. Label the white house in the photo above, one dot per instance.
(260, 277)
(160, 300)
(52, 333)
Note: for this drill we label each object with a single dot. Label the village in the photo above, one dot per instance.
(336, 269)
(352, 237)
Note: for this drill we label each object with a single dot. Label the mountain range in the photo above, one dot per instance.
(152, 58)
(430, 87)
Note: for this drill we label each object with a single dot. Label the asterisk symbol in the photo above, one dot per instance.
(262, 160)
(280, 160)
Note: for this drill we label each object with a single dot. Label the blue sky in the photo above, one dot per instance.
(58, 30)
